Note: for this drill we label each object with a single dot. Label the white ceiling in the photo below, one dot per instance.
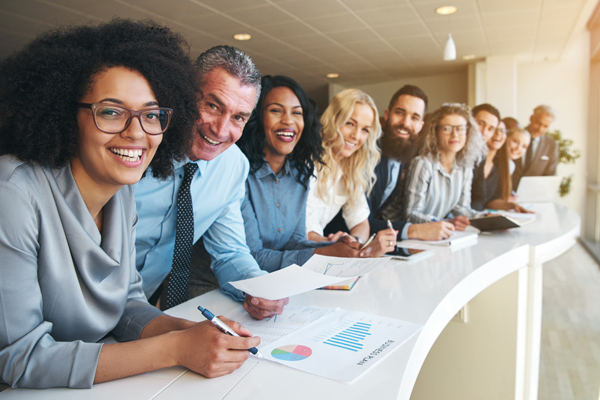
(362, 40)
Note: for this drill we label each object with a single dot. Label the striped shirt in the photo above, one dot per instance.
(433, 193)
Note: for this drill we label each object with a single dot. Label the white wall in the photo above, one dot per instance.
(563, 85)
(441, 88)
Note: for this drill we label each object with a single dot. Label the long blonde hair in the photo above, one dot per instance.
(358, 170)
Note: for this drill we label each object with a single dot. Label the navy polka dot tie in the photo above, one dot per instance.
(177, 290)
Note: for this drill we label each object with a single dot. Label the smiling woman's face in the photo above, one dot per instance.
(453, 142)
(283, 122)
(113, 160)
(356, 130)
(498, 138)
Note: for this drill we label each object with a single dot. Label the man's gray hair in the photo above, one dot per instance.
(237, 63)
(544, 109)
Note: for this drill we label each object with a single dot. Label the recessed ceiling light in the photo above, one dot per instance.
(242, 36)
(469, 57)
(333, 75)
(446, 10)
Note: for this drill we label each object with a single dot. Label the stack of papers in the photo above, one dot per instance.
(317, 272)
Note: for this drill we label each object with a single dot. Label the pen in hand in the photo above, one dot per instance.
(368, 242)
(390, 224)
(225, 329)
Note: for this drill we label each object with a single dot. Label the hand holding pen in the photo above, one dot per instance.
(200, 347)
(381, 242)
(225, 329)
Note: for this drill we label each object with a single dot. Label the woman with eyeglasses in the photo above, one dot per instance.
(83, 112)
(438, 185)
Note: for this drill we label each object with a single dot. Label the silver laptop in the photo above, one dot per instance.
(537, 189)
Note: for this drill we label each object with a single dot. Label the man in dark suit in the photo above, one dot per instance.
(541, 157)
(401, 123)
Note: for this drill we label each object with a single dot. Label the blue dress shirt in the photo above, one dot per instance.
(217, 194)
(274, 213)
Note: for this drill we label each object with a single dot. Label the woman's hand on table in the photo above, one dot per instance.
(460, 222)
(206, 350)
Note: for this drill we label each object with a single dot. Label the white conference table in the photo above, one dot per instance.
(481, 310)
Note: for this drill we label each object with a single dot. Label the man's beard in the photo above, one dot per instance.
(397, 148)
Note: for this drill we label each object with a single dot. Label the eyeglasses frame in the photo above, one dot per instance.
(132, 114)
(454, 129)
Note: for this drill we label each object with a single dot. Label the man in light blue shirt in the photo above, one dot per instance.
(229, 88)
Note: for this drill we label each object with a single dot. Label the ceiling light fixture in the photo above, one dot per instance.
(333, 75)
(450, 49)
(242, 36)
(446, 10)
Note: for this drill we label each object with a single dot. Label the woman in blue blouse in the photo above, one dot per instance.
(83, 112)
(282, 141)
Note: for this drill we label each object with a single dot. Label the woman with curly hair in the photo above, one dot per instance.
(83, 112)
(282, 141)
(350, 132)
(438, 184)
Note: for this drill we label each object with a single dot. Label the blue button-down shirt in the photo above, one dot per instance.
(217, 193)
(274, 216)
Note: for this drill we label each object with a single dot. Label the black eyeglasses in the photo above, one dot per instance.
(448, 129)
(115, 119)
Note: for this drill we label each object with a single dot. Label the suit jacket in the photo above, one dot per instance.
(377, 204)
(543, 162)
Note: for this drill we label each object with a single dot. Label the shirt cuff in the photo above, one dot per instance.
(404, 233)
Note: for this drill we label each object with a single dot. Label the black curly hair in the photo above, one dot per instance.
(308, 150)
(41, 85)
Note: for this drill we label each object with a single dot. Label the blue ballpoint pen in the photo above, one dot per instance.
(224, 328)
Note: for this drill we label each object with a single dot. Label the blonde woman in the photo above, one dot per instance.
(517, 142)
(350, 132)
(438, 185)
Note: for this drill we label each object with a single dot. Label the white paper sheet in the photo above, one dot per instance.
(346, 267)
(285, 283)
(293, 318)
(342, 345)
(457, 237)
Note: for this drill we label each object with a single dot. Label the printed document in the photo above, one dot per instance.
(341, 345)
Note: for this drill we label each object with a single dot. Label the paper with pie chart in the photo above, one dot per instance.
(341, 345)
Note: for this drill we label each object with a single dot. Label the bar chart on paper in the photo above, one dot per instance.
(341, 345)
(351, 337)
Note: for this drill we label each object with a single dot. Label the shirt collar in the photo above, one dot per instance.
(265, 170)
(440, 167)
(202, 164)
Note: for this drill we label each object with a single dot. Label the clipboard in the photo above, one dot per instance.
(494, 222)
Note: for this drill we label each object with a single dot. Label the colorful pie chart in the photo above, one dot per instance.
(291, 352)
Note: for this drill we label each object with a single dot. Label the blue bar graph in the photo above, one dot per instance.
(350, 338)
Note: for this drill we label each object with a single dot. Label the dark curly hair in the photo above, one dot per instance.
(308, 150)
(41, 85)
